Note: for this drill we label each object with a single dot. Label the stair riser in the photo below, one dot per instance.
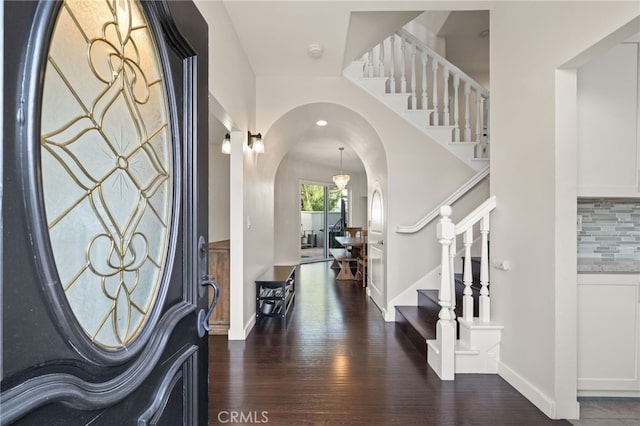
(414, 336)
(427, 302)
(477, 364)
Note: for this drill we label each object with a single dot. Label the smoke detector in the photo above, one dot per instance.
(314, 50)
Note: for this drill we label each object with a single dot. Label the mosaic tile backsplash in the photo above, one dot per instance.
(610, 231)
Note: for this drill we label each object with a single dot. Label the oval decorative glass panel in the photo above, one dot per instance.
(107, 166)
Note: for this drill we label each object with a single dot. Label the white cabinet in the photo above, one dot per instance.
(608, 335)
(608, 115)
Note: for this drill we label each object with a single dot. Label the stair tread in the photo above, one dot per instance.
(406, 95)
(374, 78)
(463, 143)
(420, 319)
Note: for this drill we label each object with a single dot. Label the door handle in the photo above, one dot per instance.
(203, 317)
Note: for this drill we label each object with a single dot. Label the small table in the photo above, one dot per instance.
(355, 243)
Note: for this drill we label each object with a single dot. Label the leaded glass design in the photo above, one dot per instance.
(107, 166)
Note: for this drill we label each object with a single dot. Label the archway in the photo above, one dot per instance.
(296, 135)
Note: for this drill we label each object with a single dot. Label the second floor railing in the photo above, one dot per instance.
(434, 85)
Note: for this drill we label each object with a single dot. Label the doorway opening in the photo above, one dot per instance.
(324, 212)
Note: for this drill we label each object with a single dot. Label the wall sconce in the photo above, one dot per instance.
(255, 143)
(226, 144)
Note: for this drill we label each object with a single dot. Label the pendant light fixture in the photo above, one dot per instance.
(342, 179)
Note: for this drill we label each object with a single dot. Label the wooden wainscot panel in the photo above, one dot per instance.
(219, 270)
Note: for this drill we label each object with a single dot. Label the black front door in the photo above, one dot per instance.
(104, 198)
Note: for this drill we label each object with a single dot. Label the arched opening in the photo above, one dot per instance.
(308, 154)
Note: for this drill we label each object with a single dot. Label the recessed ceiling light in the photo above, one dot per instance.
(321, 123)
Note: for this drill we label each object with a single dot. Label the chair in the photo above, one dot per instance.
(352, 232)
(363, 260)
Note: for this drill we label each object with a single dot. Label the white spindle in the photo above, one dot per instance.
(467, 278)
(453, 250)
(414, 86)
(370, 64)
(467, 127)
(478, 114)
(485, 302)
(445, 97)
(456, 108)
(487, 124)
(434, 94)
(425, 96)
(403, 78)
(392, 66)
(381, 60)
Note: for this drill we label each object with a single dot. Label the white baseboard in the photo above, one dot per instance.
(528, 390)
(244, 333)
(390, 315)
(609, 393)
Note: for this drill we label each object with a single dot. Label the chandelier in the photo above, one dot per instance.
(342, 179)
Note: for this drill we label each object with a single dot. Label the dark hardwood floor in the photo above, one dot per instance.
(339, 363)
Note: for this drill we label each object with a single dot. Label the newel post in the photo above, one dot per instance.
(446, 327)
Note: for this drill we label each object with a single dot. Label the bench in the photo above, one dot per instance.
(343, 259)
(275, 292)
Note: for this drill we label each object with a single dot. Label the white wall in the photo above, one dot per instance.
(533, 175)
(232, 84)
(287, 203)
(219, 193)
(608, 147)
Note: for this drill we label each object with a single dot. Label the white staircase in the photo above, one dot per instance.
(429, 92)
(453, 110)
(478, 349)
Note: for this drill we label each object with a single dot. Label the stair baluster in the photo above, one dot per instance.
(467, 127)
(453, 250)
(456, 108)
(425, 95)
(445, 97)
(485, 301)
(392, 64)
(403, 78)
(434, 95)
(381, 59)
(467, 278)
(414, 87)
(478, 116)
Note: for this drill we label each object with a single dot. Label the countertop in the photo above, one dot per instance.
(589, 266)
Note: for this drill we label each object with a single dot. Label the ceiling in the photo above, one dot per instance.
(325, 152)
(275, 36)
